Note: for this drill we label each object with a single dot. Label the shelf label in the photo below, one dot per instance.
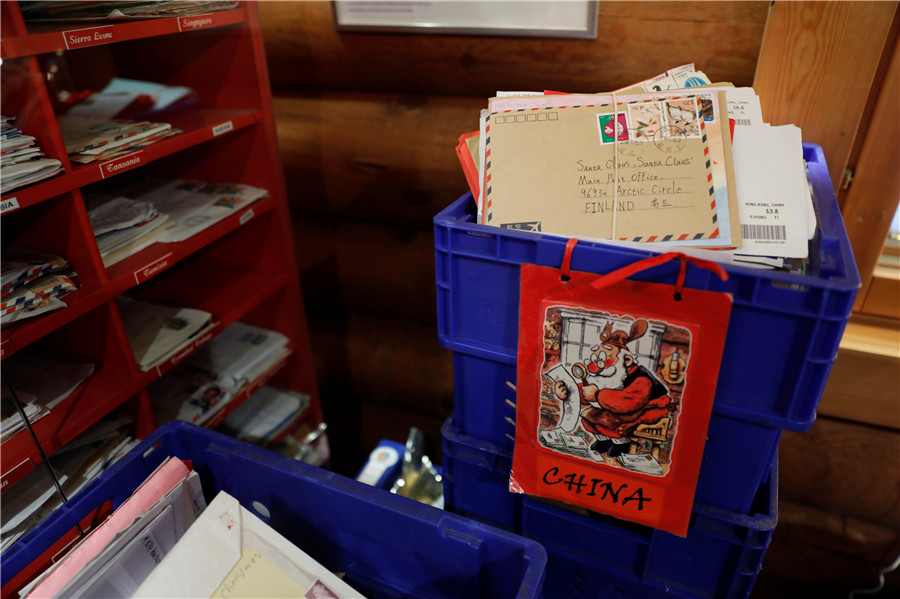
(246, 216)
(123, 163)
(191, 348)
(195, 22)
(9, 205)
(92, 36)
(155, 267)
(5, 481)
(222, 128)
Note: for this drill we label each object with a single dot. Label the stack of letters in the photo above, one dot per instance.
(156, 332)
(675, 161)
(90, 138)
(21, 161)
(29, 501)
(78, 10)
(265, 415)
(207, 380)
(33, 283)
(164, 211)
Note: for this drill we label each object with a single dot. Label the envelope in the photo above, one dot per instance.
(171, 473)
(467, 151)
(230, 552)
(772, 183)
(130, 557)
(712, 116)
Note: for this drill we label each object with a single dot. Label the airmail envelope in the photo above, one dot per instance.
(637, 171)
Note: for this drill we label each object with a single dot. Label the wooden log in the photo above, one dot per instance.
(828, 553)
(368, 268)
(388, 362)
(635, 41)
(842, 467)
(381, 158)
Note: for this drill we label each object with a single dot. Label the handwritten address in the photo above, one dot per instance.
(635, 188)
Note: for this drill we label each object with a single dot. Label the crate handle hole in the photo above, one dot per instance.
(151, 450)
(261, 509)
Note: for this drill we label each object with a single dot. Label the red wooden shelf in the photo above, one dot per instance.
(199, 126)
(237, 294)
(124, 275)
(242, 268)
(71, 35)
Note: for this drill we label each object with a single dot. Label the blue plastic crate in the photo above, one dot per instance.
(591, 555)
(387, 545)
(784, 330)
(476, 479)
(737, 457)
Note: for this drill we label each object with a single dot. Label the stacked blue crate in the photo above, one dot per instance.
(781, 342)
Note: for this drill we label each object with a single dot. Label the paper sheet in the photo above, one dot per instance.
(207, 553)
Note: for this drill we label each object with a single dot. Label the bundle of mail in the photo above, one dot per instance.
(265, 415)
(79, 10)
(33, 283)
(21, 160)
(672, 162)
(206, 381)
(32, 499)
(90, 138)
(161, 211)
(156, 332)
(165, 541)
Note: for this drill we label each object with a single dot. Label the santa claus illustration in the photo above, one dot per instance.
(617, 393)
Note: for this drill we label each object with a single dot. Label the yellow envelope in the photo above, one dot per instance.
(639, 171)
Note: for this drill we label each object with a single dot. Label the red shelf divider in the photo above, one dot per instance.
(199, 126)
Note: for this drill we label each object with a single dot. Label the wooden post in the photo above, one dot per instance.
(816, 67)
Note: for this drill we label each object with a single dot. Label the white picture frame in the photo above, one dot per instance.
(517, 18)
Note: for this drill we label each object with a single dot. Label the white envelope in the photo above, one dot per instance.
(214, 552)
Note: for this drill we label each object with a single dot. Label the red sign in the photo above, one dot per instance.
(123, 163)
(92, 36)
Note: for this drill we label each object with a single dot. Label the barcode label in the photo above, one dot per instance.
(764, 232)
(744, 122)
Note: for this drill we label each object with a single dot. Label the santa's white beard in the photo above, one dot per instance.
(615, 381)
